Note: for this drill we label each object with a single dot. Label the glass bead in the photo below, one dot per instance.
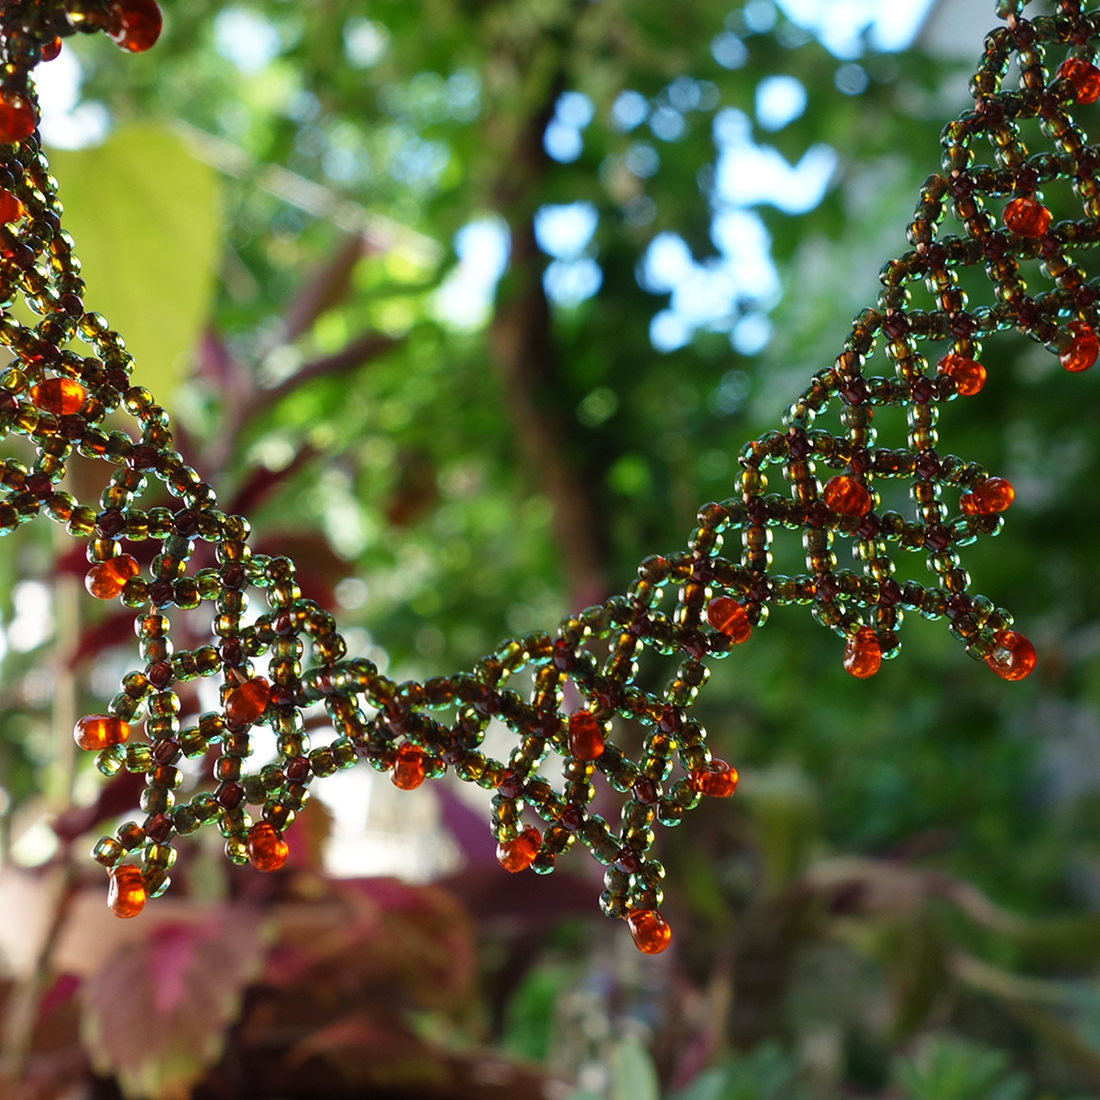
(126, 892)
(107, 579)
(245, 704)
(17, 118)
(586, 739)
(992, 496)
(716, 780)
(408, 769)
(236, 850)
(107, 851)
(11, 209)
(846, 496)
(60, 396)
(1027, 217)
(729, 617)
(862, 654)
(1083, 350)
(100, 731)
(649, 930)
(1084, 77)
(267, 851)
(1012, 657)
(968, 374)
(518, 854)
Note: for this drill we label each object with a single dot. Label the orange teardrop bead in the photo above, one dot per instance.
(11, 209)
(135, 25)
(649, 930)
(51, 49)
(1082, 351)
(60, 396)
(989, 498)
(716, 780)
(1013, 656)
(585, 736)
(245, 704)
(863, 654)
(267, 851)
(100, 731)
(408, 771)
(1084, 77)
(126, 892)
(846, 496)
(517, 855)
(17, 118)
(729, 617)
(968, 374)
(1027, 217)
(106, 579)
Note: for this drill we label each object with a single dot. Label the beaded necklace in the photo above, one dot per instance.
(59, 399)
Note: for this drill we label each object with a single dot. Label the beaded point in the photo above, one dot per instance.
(58, 398)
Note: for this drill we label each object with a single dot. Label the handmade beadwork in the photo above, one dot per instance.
(58, 399)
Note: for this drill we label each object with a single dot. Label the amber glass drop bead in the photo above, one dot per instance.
(989, 498)
(11, 210)
(106, 579)
(243, 705)
(17, 118)
(60, 396)
(51, 49)
(517, 855)
(862, 654)
(408, 771)
(267, 851)
(1084, 77)
(585, 736)
(846, 496)
(649, 930)
(96, 732)
(716, 780)
(729, 617)
(1013, 656)
(134, 25)
(1083, 351)
(126, 893)
(1027, 217)
(968, 374)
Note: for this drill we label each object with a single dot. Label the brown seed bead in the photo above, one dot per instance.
(267, 851)
(730, 618)
(1013, 656)
(989, 498)
(517, 855)
(649, 930)
(100, 731)
(968, 374)
(1083, 351)
(60, 396)
(135, 25)
(716, 780)
(107, 579)
(585, 736)
(1027, 217)
(1084, 77)
(126, 893)
(408, 769)
(245, 704)
(862, 654)
(11, 209)
(846, 496)
(17, 118)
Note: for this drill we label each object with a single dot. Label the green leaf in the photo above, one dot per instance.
(634, 1076)
(146, 221)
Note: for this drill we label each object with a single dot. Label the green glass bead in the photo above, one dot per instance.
(108, 851)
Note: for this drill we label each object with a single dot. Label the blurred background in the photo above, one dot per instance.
(470, 306)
